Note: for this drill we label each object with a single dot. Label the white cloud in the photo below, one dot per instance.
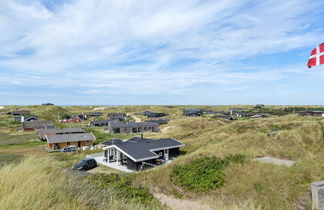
(143, 46)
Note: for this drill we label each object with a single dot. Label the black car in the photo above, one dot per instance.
(85, 164)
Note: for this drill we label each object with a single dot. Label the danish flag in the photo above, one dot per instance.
(317, 56)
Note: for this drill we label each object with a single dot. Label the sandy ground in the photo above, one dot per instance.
(167, 129)
(180, 204)
(137, 119)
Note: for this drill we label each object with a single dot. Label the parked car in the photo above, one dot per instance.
(85, 164)
(68, 149)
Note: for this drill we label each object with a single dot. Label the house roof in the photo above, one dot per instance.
(25, 119)
(117, 124)
(71, 137)
(192, 110)
(315, 111)
(159, 121)
(140, 149)
(20, 112)
(153, 114)
(37, 124)
(100, 122)
(44, 132)
(94, 113)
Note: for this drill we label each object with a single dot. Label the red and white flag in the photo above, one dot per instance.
(317, 56)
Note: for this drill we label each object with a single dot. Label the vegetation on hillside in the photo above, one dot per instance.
(203, 174)
(252, 185)
(122, 184)
(49, 187)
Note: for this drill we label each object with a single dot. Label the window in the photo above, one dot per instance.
(166, 151)
(68, 143)
(160, 154)
(87, 142)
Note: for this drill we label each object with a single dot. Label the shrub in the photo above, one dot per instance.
(122, 184)
(203, 174)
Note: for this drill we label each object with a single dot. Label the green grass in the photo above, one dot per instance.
(203, 174)
(18, 139)
(9, 158)
(122, 184)
(38, 183)
(250, 185)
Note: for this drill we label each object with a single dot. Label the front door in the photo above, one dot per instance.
(79, 143)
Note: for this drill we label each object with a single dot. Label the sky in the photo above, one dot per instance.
(110, 52)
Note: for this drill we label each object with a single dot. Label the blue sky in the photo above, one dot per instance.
(160, 52)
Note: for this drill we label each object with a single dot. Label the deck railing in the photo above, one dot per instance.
(146, 166)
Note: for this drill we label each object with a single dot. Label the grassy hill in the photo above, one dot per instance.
(250, 185)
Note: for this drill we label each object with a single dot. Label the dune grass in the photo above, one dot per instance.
(38, 183)
(264, 186)
(250, 185)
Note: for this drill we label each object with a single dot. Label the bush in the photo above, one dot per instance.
(123, 185)
(203, 174)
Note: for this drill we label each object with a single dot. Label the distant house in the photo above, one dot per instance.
(114, 116)
(192, 112)
(240, 114)
(259, 106)
(140, 153)
(227, 117)
(312, 113)
(237, 112)
(25, 119)
(82, 116)
(259, 116)
(98, 109)
(99, 123)
(19, 112)
(205, 111)
(42, 133)
(73, 119)
(94, 114)
(132, 127)
(154, 114)
(48, 104)
(159, 121)
(67, 140)
(40, 124)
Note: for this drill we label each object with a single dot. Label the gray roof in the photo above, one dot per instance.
(60, 131)
(140, 149)
(37, 124)
(71, 137)
(117, 124)
(100, 121)
(26, 118)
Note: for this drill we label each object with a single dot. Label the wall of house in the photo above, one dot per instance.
(138, 129)
(174, 152)
(314, 114)
(65, 144)
(132, 165)
(28, 129)
(158, 153)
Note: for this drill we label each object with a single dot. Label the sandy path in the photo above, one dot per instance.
(180, 204)
(137, 119)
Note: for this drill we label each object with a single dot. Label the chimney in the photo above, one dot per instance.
(22, 118)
